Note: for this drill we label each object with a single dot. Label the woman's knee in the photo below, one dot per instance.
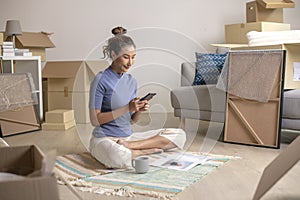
(176, 135)
(111, 154)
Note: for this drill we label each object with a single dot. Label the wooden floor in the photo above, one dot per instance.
(235, 180)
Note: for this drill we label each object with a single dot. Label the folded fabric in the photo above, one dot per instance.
(256, 38)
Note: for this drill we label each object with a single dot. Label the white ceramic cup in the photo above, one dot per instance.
(141, 164)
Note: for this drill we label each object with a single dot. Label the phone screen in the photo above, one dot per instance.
(148, 96)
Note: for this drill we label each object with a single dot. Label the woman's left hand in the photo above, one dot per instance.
(145, 107)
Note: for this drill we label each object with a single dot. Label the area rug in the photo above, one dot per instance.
(86, 174)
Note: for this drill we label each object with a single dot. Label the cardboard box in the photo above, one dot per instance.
(77, 101)
(255, 12)
(242, 123)
(24, 160)
(35, 42)
(237, 33)
(72, 76)
(58, 126)
(278, 168)
(276, 3)
(18, 121)
(59, 116)
(69, 84)
(1, 38)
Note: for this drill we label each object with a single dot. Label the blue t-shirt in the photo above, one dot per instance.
(110, 91)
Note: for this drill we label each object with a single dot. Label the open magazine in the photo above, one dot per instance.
(179, 161)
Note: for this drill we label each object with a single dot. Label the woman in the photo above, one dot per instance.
(114, 106)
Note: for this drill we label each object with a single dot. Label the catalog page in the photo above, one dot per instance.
(180, 161)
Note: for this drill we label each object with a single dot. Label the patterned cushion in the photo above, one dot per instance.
(208, 68)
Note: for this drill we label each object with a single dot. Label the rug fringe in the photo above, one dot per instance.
(69, 185)
(121, 192)
(82, 185)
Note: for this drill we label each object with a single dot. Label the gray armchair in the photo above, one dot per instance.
(202, 102)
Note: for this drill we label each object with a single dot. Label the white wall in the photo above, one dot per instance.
(167, 32)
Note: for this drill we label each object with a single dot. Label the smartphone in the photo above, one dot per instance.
(148, 96)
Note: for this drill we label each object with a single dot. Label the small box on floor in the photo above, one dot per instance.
(58, 126)
(17, 163)
(59, 116)
(59, 119)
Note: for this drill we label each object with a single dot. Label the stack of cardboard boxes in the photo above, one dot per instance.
(59, 120)
(261, 15)
(265, 15)
(66, 85)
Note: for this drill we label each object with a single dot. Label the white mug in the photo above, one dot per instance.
(141, 164)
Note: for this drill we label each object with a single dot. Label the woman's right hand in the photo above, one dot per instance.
(135, 105)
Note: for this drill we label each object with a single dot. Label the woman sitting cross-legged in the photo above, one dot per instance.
(114, 106)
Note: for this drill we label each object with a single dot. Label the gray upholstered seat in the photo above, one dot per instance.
(203, 102)
(291, 110)
(206, 102)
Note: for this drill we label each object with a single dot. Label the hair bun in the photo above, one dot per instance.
(118, 30)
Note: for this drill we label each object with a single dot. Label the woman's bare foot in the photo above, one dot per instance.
(124, 143)
(136, 153)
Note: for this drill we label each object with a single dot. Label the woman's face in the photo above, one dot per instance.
(124, 60)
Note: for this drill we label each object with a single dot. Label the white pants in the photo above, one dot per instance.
(113, 155)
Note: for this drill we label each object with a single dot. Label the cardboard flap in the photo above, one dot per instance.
(23, 160)
(35, 40)
(42, 188)
(17, 160)
(61, 69)
(278, 168)
(276, 3)
(97, 65)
